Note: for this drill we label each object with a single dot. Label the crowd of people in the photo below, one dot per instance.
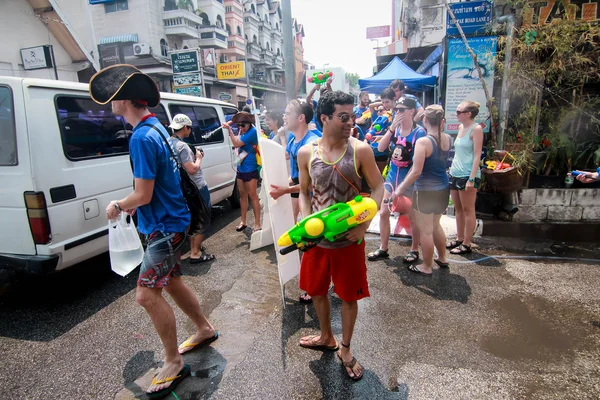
(331, 160)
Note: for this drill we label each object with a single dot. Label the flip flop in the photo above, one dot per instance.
(319, 347)
(350, 364)
(303, 298)
(175, 380)
(442, 264)
(241, 227)
(416, 270)
(188, 344)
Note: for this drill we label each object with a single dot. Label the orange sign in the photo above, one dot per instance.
(544, 11)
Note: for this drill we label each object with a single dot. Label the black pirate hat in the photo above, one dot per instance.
(124, 82)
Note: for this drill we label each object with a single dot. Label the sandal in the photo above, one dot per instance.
(453, 244)
(378, 255)
(461, 249)
(349, 364)
(305, 298)
(241, 227)
(411, 257)
(442, 264)
(416, 270)
(203, 258)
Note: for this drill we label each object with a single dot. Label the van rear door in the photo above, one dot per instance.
(80, 162)
(15, 170)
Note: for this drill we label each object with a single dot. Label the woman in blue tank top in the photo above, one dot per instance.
(465, 175)
(431, 191)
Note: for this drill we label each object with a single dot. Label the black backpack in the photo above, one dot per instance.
(199, 210)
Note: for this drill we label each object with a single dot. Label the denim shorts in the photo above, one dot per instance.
(161, 259)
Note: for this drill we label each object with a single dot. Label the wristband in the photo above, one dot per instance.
(471, 179)
(118, 207)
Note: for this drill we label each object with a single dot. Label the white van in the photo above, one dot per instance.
(63, 158)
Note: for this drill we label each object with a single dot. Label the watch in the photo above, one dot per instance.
(118, 207)
(471, 179)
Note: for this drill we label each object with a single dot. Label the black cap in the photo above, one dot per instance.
(124, 82)
(406, 102)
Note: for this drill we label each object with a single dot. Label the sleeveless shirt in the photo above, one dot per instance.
(334, 181)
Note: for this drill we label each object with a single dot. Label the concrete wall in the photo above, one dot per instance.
(20, 28)
(560, 205)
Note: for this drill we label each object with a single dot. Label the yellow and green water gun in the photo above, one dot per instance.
(330, 223)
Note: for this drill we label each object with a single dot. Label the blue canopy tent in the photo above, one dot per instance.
(396, 69)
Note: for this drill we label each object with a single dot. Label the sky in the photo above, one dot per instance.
(336, 32)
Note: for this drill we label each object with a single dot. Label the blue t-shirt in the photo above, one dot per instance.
(249, 164)
(167, 212)
(293, 148)
(317, 132)
(397, 174)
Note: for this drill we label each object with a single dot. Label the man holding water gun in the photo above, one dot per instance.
(380, 125)
(362, 112)
(332, 168)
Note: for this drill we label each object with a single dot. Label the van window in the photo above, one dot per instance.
(8, 138)
(90, 130)
(204, 122)
(229, 113)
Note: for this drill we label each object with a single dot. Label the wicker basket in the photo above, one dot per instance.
(503, 181)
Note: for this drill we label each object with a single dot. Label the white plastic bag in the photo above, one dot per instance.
(124, 245)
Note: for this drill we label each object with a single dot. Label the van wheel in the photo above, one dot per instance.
(234, 200)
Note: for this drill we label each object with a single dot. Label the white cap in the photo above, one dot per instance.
(179, 121)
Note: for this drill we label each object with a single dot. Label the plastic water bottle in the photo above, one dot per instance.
(569, 181)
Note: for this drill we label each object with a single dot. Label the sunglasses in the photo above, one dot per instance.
(243, 124)
(461, 112)
(401, 109)
(344, 117)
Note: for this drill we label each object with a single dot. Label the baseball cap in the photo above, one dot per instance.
(179, 121)
(406, 102)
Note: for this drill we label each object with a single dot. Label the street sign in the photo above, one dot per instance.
(185, 61)
(187, 79)
(232, 70)
(259, 73)
(224, 96)
(472, 16)
(189, 90)
(208, 57)
(375, 32)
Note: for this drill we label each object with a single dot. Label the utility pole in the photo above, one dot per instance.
(288, 51)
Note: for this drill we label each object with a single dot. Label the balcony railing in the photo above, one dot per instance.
(213, 31)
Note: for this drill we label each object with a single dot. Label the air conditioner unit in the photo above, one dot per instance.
(140, 49)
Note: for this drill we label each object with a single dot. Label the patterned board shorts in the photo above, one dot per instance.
(161, 259)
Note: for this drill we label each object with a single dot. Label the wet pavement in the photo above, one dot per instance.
(499, 329)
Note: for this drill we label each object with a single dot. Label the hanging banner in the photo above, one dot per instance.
(462, 78)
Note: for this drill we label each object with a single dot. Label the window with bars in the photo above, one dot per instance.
(118, 5)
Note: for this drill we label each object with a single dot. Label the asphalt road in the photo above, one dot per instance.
(501, 329)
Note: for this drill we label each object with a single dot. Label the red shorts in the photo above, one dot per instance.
(346, 266)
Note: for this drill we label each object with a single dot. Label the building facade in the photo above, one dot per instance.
(31, 24)
(145, 32)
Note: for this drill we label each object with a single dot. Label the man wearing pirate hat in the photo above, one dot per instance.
(163, 217)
